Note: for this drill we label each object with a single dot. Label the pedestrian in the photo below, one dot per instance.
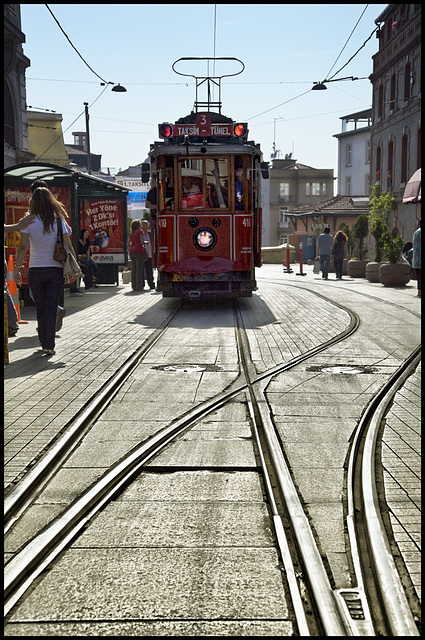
(151, 204)
(146, 237)
(138, 256)
(84, 257)
(325, 244)
(61, 311)
(338, 252)
(45, 275)
(417, 255)
(12, 316)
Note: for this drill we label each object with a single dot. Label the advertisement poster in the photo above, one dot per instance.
(104, 220)
(17, 204)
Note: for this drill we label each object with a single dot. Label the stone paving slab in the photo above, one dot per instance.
(103, 327)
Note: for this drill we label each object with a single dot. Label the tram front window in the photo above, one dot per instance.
(217, 174)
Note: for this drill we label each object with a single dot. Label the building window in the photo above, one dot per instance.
(407, 80)
(381, 101)
(392, 92)
(404, 158)
(390, 164)
(367, 184)
(348, 186)
(367, 154)
(284, 192)
(348, 151)
(283, 218)
(284, 189)
(315, 188)
(378, 164)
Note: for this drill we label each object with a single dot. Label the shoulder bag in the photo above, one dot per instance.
(60, 253)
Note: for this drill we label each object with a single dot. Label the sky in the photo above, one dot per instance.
(285, 49)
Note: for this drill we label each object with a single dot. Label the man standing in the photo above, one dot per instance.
(325, 244)
(146, 239)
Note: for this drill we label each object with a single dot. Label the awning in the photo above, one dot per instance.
(412, 192)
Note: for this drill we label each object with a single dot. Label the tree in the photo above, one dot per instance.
(381, 203)
(392, 247)
(360, 231)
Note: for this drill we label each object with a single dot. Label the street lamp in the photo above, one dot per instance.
(320, 86)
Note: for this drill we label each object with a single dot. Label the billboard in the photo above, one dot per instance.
(104, 220)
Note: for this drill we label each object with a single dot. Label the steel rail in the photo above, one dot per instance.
(332, 618)
(37, 554)
(26, 491)
(370, 547)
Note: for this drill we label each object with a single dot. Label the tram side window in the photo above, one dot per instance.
(167, 186)
(191, 184)
(239, 184)
(217, 180)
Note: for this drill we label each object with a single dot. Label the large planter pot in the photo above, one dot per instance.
(356, 268)
(394, 275)
(372, 271)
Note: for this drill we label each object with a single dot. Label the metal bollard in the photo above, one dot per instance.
(301, 261)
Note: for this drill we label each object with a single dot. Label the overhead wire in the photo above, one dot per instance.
(75, 48)
(336, 73)
(347, 41)
(72, 123)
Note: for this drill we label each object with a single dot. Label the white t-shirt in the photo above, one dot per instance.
(42, 245)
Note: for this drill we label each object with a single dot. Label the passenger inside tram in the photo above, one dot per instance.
(191, 193)
(238, 189)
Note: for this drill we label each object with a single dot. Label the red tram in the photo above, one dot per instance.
(207, 177)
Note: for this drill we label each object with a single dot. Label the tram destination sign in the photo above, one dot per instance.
(203, 128)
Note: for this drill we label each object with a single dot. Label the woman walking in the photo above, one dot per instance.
(338, 252)
(45, 275)
(138, 256)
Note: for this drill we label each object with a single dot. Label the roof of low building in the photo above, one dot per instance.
(338, 205)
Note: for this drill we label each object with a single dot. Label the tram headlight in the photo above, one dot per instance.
(165, 130)
(240, 129)
(205, 239)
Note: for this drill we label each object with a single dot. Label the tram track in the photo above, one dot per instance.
(334, 617)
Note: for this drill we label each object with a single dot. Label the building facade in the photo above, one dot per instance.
(16, 150)
(354, 154)
(291, 185)
(45, 138)
(396, 104)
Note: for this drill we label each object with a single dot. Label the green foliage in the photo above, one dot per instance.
(317, 227)
(392, 247)
(351, 241)
(381, 203)
(360, 231)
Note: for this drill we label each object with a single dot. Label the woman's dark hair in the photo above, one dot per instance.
(44, 205)
(340, 237)
(82, 232)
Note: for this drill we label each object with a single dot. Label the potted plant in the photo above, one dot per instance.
(380, 205)
(356, 267)
(393, 273)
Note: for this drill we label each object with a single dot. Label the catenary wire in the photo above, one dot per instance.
(75, 49)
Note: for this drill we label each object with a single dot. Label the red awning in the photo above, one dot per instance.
(412, 192)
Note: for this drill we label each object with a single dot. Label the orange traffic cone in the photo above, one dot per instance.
(13, 290)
